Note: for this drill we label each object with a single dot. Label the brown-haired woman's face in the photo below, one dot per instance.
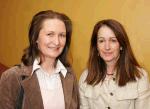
(52, 38)
(108, 45)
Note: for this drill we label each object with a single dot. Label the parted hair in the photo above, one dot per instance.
(32, 51)
(127, 67)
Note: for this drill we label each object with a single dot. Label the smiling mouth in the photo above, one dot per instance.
(54, 48)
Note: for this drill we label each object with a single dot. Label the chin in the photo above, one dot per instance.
(108, 60)
(53, 55)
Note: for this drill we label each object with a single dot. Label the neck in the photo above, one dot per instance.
(48, 64)
(110, 68)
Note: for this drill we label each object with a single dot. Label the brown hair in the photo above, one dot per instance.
(126, 66)
(32, 51)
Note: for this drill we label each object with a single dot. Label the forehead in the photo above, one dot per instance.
(53, 24)
(105, 32)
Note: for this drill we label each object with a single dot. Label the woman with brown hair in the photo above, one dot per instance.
(45, 79)
(113, 79)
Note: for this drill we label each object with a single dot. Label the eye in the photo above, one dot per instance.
(50, 34)
(62, 35)
(114, 40)
(100, 40)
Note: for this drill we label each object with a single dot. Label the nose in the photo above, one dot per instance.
(56, 40)
(107, 45)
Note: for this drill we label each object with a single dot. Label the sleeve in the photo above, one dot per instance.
(8, 89)
(82, 87)
(143, 100)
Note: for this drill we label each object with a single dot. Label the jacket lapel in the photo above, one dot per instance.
(32, 89)
(67, 84)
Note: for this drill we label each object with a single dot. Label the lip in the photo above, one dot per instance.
(107, 53)
(54, 48)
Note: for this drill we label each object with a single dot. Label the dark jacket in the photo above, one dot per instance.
(11, 82)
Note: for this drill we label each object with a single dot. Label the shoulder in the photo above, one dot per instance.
(71, 74)
(83, 77)
(10, 79)
(144, 75)
(10, 73)
(16, 72)
(143, 82)
(143, 72)
(70, 71)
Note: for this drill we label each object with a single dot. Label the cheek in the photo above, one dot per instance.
(40, 47)
(43, 40)
(41, 44)
(63, 42)
(100, 49)
(117, 50)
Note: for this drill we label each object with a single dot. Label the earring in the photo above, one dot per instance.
(121, 48)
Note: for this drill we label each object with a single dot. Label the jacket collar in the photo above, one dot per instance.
(26, 70)
(59, 67)
(32, 89)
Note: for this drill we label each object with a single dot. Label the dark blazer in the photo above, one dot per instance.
(10, 85)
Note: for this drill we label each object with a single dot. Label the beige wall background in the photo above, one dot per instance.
(15, 16)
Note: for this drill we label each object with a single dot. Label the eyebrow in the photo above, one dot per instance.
(54, 32)
(103, 37)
